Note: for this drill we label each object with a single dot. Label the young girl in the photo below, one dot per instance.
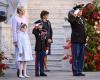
(25, 51)
(67, 48)
(46, 60)
(67, 57)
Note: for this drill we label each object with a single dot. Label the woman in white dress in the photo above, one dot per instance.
(16, 22)
(25, 51)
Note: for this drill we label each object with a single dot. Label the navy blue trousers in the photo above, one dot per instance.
(78, 57)
(39, 62)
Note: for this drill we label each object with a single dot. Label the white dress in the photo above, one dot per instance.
(24, 47)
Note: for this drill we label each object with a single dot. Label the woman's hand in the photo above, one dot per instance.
(15, 44)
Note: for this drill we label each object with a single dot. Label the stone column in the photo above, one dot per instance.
(5, 39)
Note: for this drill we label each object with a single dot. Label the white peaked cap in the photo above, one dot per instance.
(37, 24)
(76, 11)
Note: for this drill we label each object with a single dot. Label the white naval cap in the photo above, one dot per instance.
(76, 11)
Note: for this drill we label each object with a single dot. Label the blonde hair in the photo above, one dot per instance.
(19, 8)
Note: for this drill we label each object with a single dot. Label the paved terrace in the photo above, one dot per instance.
(52, 75)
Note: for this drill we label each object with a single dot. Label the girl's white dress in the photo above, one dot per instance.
(24, 47)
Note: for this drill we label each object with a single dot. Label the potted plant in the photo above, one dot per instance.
(91, 13)
(2, 65)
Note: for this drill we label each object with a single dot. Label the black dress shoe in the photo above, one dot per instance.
(75, 74)
(80, 74)
(17, 72)
(37, 75)
(43, 74)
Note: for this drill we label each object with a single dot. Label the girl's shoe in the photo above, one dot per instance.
(26, 76)
(20, 76)
(43, 74)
